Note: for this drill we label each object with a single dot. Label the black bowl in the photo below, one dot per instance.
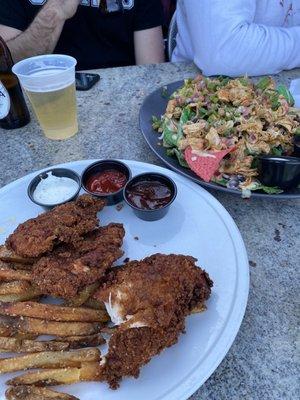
(280, 171)
(59, 172)
(104, 165)
(152, 215)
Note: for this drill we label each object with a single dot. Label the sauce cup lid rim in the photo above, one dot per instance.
(273, 158)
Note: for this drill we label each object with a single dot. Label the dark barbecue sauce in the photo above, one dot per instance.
(149, 195)
(109, 181)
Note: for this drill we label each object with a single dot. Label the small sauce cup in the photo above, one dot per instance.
(156, 213)
(296, 152)
(59, 173)
(280, 171)
(103, 166)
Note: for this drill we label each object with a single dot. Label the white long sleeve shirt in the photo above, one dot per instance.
(238, 37)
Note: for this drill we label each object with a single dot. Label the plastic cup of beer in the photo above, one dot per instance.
(49, 82)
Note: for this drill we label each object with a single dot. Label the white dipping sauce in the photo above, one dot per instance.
(53, 189)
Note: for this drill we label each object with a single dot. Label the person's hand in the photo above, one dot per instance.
(65, 9)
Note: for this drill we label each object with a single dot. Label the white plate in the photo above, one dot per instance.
(198, 225)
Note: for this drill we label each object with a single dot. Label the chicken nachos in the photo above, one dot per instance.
(218, 126)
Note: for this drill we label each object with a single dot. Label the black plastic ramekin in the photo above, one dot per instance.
(59, 172)
(106, 165)
(280, 171)
(151, 215)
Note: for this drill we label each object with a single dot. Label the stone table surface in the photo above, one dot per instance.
(263, 362)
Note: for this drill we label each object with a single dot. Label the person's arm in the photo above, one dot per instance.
(226, 41)
(42, 35)
(8, 33)
(148, 38)
(149, 46)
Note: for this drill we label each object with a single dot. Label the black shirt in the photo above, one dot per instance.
(96, 39)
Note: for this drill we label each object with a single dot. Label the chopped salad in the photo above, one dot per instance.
(218, 126)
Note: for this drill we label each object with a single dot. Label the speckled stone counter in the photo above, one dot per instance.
(262, 363)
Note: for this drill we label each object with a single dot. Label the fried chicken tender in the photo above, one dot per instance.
(149, 301)
(65, 223)
(70, 267)
(149, 292)
(130, 349)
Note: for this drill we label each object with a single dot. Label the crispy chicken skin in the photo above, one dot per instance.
(149, 301)
(70, 267)
(63, 224)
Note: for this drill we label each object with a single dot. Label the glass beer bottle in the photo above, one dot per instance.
(13, 110)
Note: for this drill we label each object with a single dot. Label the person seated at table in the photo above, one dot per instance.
(239, 37)
(98, 33)
(169, 7)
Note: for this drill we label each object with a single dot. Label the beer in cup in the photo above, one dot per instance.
(49, 82)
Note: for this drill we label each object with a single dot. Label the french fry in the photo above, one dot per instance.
(91, 371)
(35, 393)
(8, 255)
(48, 377)
(82, 296)
(9, 331)
(52, 312)
(109, 330)
(76, 342)
(14, 287)
(15, 345)
(14, 265)
(9, 274)
(31, 294)
(24, 335)
(19, 297)
(95, 304)
(49, 359)
(43, 327)
(198, 309)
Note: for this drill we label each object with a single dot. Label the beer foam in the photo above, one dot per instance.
(49, 71)
(46, 73)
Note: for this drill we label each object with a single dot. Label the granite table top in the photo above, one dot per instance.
(262, 363)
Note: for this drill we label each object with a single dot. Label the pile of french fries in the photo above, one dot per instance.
(71, 356)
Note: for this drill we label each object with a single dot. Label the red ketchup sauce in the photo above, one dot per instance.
(149, 195)
(109, 181)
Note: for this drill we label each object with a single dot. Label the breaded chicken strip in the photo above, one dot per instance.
(151, 291)
(131, 349)
(149, 301)
(70, 267)
(66, 223)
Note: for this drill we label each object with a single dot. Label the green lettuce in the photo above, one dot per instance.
(267, 189)
(264, 83)
(176, 153)
(284, 91)
(220, 181)
(156, 122)
(170, 136)
(277, 151)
